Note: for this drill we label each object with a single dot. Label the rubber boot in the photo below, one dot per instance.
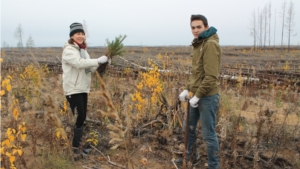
(77, 139)
(87, 149)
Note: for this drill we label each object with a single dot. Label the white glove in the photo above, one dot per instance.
(194, 101)
(184, 95)
(102, 59)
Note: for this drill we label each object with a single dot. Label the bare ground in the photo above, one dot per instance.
(256, 130)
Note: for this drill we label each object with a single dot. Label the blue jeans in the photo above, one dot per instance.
(206, 112)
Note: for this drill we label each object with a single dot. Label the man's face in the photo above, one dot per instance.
(197, 28)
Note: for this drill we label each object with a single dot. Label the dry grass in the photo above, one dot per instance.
(257, 122)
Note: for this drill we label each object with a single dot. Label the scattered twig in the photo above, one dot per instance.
(93, 121)
(99, 151)
(90, 167)
(260, 159)
(152, 122)
(115, 164)
(148, 68)
(177, 152)
(174, 163)
(108, 159)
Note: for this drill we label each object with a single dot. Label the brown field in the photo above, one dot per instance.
(258, 120)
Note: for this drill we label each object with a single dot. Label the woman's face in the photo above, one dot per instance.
(79, 37)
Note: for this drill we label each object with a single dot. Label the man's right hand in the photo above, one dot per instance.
(184, 95)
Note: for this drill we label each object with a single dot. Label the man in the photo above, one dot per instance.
(204, 85)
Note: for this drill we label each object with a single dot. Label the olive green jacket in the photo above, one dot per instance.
(206, 62)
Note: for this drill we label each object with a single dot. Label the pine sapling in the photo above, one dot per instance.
(114, 48)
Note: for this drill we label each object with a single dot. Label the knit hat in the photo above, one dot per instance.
(76, 27)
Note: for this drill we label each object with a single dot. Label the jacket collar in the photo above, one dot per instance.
(204, 35)
(209, 32)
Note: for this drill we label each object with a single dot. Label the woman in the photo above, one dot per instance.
(77, 67)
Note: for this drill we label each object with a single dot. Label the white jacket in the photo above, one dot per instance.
(75, 80)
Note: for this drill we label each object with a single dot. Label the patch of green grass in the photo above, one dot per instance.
(225, 102)
(111, 152)
(279, 100)
(57, 161)
(297, 164)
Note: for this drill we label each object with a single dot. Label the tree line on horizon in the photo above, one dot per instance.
(19, 34)
(260, 25)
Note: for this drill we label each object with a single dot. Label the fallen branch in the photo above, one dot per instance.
(152, 122)
(115, 164)
(260, 159)
(174, 163)
(149, 68)
(90, 167)
(177, 152)
(99, 151)
(93, 121)
(108, 159)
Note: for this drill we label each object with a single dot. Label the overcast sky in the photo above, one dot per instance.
(146, 23)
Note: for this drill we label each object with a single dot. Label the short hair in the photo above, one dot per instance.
(200, 17)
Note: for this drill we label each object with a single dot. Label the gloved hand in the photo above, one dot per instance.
(184, 95)
(194, 101)
(102, 59)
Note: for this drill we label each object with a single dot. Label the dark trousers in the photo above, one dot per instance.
(78, 101)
